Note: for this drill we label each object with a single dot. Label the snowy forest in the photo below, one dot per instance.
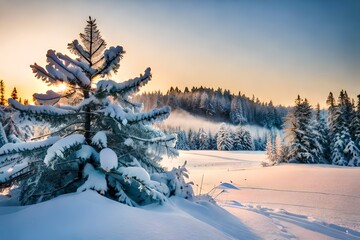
(306, 134)
(312, 137)
(218, 105)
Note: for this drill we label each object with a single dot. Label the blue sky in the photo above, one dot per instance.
(273, 49)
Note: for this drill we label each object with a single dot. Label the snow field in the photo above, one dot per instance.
(322, 192)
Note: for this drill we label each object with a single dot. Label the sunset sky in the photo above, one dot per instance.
(273, 49)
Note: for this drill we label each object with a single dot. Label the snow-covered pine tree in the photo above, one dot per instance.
(355, 124)
(213, 141)
(242, 139)
(236, 114)
(300, 133)
(182, 142)
(204, 141)
(322, 135)
(269, 149)
(278, 148)
(343, 149)
(224, 139)
(193, 139)
(104, 143)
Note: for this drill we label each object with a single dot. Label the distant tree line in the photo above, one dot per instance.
(218, 105)
(313, 137)
(14, 95)
(225, 139)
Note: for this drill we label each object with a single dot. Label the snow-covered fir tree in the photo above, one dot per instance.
(204, 141)
(344, 151)
(355, 124)
(321, 135)
(182, 140)
(236, 113)
(193, 139)
(269, 149)
(299, 132)
(278, 146)
(242, 139)
(224, 139)
(104, 142)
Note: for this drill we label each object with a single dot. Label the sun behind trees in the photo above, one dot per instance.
(103, 142)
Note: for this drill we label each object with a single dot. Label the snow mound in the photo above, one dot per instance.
(226, 185)
(88, 215)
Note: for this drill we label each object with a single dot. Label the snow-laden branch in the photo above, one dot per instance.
(126, 88)
(116, 112)
(78, 50)
(36, 110)
(62, 70)
(73, 75)
(85, 67)
(112, 57)
(58, 149)
(16, 148)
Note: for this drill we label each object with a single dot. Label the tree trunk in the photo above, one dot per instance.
(87, 119)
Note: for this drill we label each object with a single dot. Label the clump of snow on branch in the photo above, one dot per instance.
(100, 139)
(95, 180)
(108, 159)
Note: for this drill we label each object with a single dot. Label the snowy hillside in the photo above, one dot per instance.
(283, 202)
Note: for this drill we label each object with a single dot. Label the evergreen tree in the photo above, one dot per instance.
(355, 124)
(224, 141)
(182, 142)
(2, 93)
(321, 135)
(278, 152)
(14, 94)
(204, 141)
(236, 114)
(343, 149)
(242, 140)
(213, 141)
(193, 140)
(300, 133)
(269, 149)
(103, 143)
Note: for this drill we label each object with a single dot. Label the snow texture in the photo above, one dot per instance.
(108, 159)
(100, 139)
(60, 146)
(136, 172)
(312, 190)
(272, 203)
(96, 180)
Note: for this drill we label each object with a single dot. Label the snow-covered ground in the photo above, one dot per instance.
(292, 199)
(282, 202)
